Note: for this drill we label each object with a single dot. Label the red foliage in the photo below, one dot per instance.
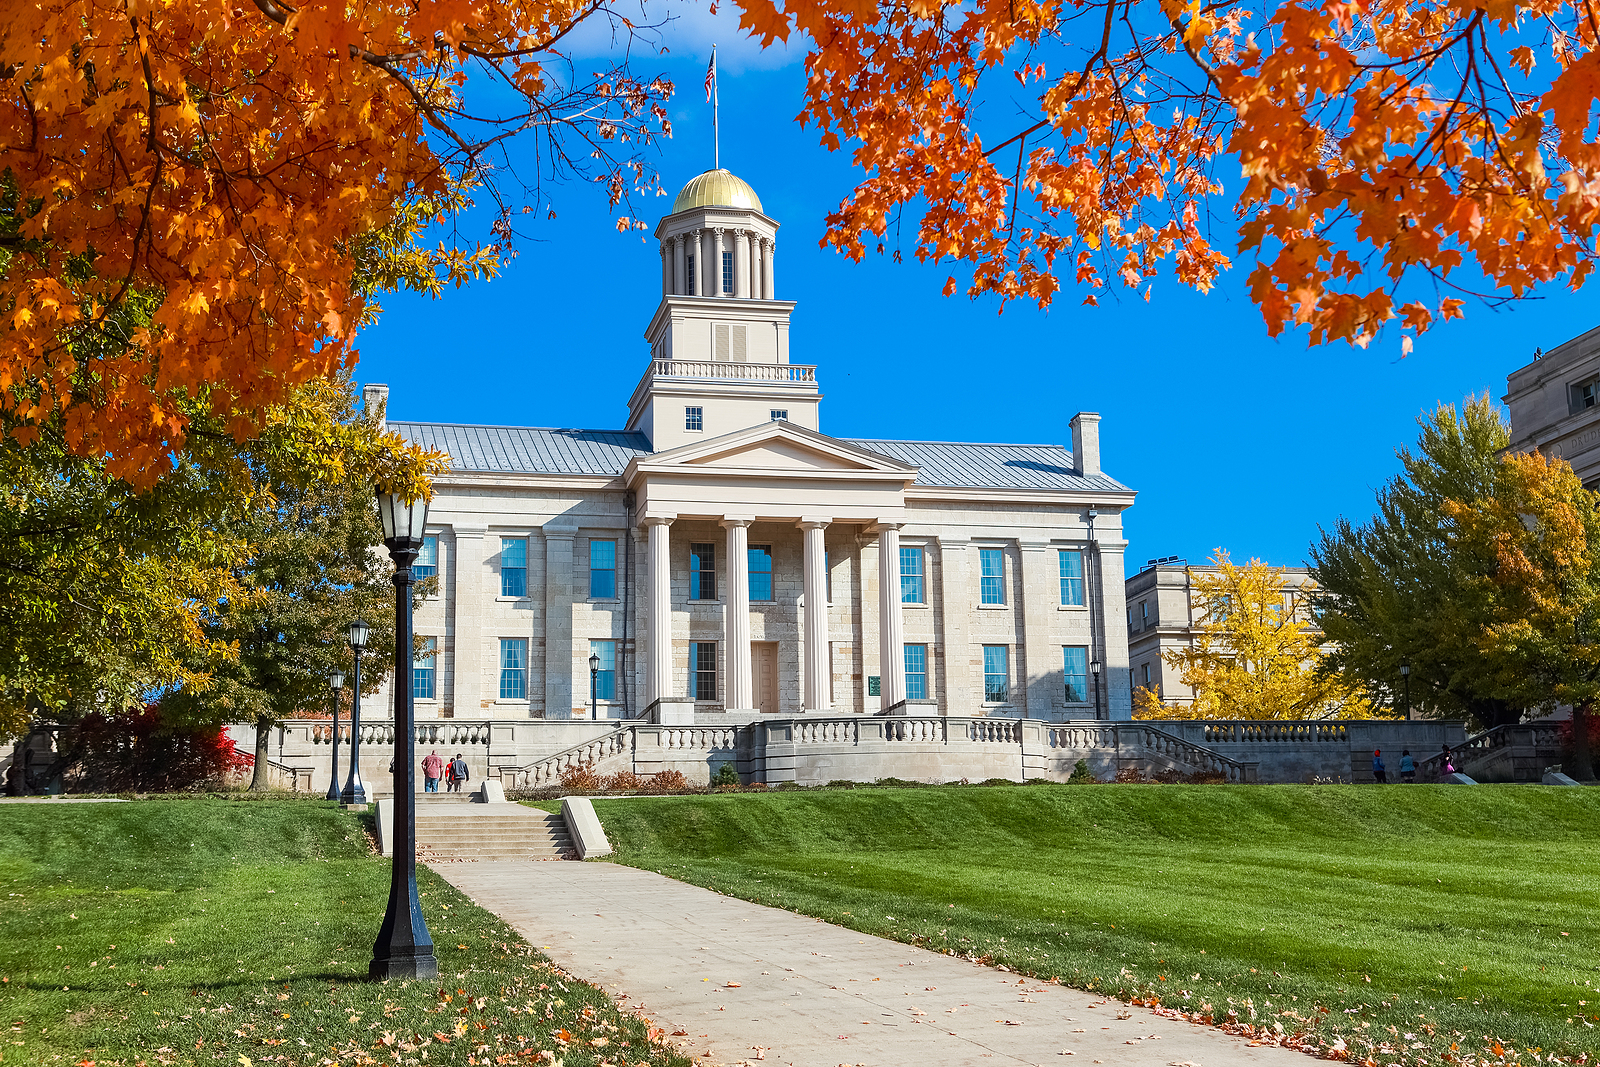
(137, 751)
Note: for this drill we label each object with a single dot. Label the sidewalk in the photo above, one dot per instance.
(750, 983)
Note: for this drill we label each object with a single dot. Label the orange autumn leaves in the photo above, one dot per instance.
(230, 158)
(1380, 144)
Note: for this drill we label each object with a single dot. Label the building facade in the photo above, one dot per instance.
(720, 554)
(1554, 403)
(1164, 614)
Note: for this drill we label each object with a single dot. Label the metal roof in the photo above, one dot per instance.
(527, 449)
(542, 450)
(979, 466)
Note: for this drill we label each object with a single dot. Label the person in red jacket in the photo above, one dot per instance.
(432, 771)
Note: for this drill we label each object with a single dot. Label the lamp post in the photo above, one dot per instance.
(594, 685)
(355, 792)
(335, 683)
(1405, 679)
(403, 948)
(1094, 669)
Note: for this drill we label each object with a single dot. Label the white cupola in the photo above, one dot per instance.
(719, 341)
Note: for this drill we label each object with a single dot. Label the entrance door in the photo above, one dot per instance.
(764, 668)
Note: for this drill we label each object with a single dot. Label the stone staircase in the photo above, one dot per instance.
(453, 827)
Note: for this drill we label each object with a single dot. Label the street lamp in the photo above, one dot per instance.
(1094, 669)
(1405, 678)
(355, 792)
(594, 685)
(335, 683)
(403, 948)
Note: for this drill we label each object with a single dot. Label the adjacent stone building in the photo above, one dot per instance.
(1554, 403)
(720, 554)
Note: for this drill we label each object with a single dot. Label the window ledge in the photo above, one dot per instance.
(921, 604)
(993, 607)
(512, 599)
(604, 600)
(1072, 607)
(704, 603)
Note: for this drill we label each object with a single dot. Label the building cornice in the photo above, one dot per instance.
(1096, 498)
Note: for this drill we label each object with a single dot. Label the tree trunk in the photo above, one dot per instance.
(1582, 757)
(258, 782)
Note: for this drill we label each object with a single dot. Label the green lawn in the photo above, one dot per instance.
(1406, 919)
(206, 931)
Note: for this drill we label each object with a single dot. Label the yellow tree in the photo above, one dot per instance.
(1533, 545)
(1255, 653)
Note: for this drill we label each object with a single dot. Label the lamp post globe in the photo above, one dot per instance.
(594, 685)
(404, 948)
(335, 684)
(355, 791)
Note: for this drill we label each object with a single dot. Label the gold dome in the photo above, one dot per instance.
(716, 188)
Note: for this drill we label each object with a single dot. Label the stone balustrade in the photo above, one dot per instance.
(1514, 753)
(747, 372)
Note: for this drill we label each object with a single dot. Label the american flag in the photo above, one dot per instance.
(711, 75)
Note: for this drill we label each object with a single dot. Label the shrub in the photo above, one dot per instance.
(137, 751)
(669, 781)
(622, 782)
(727, 775)
(787, 785)
(998, 781)
(841, 783)
(1081, 774)
(580, 777)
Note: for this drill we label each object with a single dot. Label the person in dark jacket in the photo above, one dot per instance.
(458, 773)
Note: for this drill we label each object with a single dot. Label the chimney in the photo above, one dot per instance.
(376, 400)
(1086, 442)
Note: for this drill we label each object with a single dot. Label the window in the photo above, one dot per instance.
(1075, 670)
(422, 661)
(1144, 614)
(996, 675)
(703, 572)
(694, 418)
(427, 564)
(916, 672)
(690, 271)
(993, 562)
(911, 576)
(780, 414)
(1071, 576)
(513, 566)
(1585, 396)
(1146, 667)
(760, 572)
(827, 575)
(727, 272)
(703, 669)
(605, 679)
(602, 569)
(513, 668)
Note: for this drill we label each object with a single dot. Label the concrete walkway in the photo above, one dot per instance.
(748, 983)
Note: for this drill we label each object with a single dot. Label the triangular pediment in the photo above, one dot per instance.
(778, 447)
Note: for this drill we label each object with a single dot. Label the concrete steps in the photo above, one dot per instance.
(457, 830)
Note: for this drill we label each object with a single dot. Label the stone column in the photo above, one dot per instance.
(737, 693)
(817, 667)
(470, 609)
(1111, 625)
(708, 249)
(891, 624)
(1040, 659)
(741, 265)
(658, 628)
(680, 277)
(766, 274)
(955, 607)
(666, 267)
(558, 621)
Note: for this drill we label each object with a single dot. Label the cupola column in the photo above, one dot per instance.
(678, 282)
(766, 275)
(666, 267)
(708, 266)
(741, 265)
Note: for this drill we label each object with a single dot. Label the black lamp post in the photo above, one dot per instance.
(1094, 669)
(594, 685)
(335, 683)
(355, 792)
(403, 948)
(1405, 679)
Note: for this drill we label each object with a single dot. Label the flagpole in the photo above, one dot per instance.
(716, 130)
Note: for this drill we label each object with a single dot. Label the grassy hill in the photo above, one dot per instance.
(1417, 916)
(238, 932)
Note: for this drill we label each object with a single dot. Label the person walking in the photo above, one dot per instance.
(1408, 767)
(1447, 762)
(432, 771)
(1379, 773)
(458, 772)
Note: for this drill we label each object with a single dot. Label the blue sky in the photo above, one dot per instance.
(1230, 437)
